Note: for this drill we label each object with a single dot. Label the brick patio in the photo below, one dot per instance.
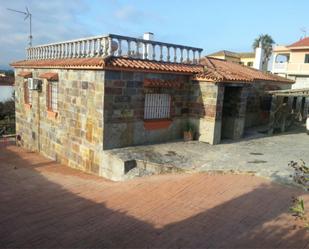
(46, 205)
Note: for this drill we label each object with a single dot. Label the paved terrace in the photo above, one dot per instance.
(46, 205)
(261, 155)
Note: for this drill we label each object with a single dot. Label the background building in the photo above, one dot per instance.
(293, 62)
(246, 59)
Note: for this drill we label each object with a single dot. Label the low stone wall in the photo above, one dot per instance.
(75, 136)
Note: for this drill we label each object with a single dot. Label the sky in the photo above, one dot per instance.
(211, 25)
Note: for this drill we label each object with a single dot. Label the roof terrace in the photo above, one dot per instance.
(118, 46)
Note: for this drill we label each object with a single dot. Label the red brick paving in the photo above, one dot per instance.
(46, 205)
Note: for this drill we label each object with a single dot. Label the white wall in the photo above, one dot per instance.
(301, 82)
(6, 92)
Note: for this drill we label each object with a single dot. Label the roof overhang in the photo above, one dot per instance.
(25, 74)
(291, 92)
(112, 63)
(49, 76)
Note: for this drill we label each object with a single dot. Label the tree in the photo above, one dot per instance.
(267, 45)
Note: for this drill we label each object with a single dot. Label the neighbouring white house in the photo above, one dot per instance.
(6, 87)
(292, 62)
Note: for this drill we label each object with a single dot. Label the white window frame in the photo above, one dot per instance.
(52, 96)
(157, 106)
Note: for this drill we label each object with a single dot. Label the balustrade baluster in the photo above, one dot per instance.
(145, 55)
(153, 51)
(168, 54)
(188, 55)
(194, 62)
(137, 49)
(119, 47)
(181, 55)
(129, 48)
(175, 54)
(161, 53)
(110, 49)
(92, 49)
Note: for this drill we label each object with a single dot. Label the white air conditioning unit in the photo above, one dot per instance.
(30, 84)
(33, 84)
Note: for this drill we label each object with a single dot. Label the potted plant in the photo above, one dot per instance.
(188, 133)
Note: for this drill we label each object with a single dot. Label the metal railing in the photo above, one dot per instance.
(116, 45)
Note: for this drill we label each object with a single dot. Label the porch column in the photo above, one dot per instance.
(210, 125)
(272, 115)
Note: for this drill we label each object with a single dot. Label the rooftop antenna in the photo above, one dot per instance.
(304, 30)
(27, 15)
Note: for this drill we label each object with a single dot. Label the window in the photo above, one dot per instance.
(52, 96)
(306, 58)
(250, 64)
(157, 106)
(27, 92)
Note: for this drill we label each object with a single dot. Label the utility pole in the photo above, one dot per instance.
(27, 15)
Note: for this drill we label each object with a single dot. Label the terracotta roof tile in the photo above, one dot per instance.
(25, 74)
(218, 70)
(49, 76)
(111, 63)
(138, 64)
(61, 63)
(301, 43)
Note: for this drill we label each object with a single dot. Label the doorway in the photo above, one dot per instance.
(232, 120)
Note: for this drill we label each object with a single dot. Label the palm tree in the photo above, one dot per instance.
(267, 45)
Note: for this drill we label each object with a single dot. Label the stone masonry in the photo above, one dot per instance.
(75, 136)
(124, 123)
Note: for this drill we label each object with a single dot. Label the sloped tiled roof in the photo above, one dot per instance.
(224, 53)
(111, 63)
(49, 76)
(232, 54)
(218, 70)
(80, 63)
(210, 69)
(301, 43)
(246, 54)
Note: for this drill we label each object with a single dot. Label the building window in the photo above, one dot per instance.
(157, 106)
(27, 92)
(250, 64)
(307, 58)
(52, 96)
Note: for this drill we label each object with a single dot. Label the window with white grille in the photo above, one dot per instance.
(52, 96)
(157, 106)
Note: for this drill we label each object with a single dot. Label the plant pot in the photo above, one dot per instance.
(188, 135)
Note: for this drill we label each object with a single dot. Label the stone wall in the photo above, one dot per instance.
(75, 136)
(124, 123)
(259, 102)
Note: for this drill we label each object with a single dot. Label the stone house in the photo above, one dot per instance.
(77, 99)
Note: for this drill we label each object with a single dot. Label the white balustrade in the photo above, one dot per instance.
(111, 45)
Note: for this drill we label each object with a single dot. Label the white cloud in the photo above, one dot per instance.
(53, 20)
